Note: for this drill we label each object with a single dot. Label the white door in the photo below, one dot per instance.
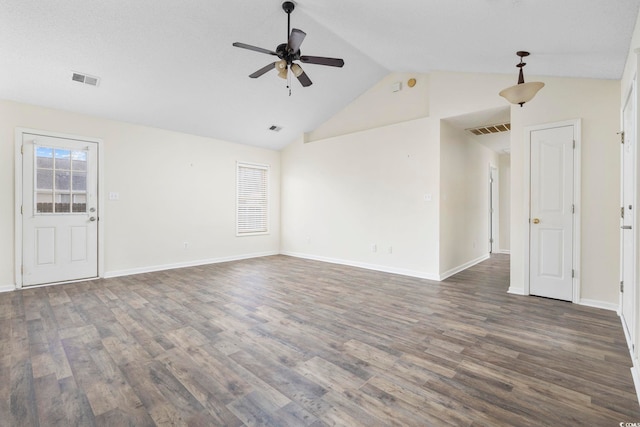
(494, 202)
(551, 215)
(59, 209)
(627, 233)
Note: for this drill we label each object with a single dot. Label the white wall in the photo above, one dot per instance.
(379, 106)
(464, 198)
(173, 187)
(348, 193)
(359, 188)
(504, 172)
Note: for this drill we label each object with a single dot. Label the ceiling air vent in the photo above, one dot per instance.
(275, 128)
(485, 130)
(85, 78)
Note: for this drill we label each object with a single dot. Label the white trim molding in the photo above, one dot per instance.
(153, 268)
(464, 266)
(517, 291)
(598, 304)
(7, 288)
(366, 266)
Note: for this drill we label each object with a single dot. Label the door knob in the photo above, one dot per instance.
(536, 221)
(93, 218)
(626, 227)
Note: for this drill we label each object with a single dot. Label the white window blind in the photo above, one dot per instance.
(253, 199)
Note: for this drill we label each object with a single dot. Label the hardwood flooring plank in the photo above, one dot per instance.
(283, 341)
(23, 403)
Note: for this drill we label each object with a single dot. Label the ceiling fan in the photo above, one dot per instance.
(289, 52)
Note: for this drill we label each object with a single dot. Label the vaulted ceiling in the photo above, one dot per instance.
(172, 65)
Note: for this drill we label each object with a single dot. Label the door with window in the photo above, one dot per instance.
(59, 209)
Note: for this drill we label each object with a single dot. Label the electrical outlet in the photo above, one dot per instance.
(374, 248)
(186, 245)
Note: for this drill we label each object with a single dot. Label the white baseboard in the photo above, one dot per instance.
(599, 304)
(366, 266)
(464, 266)
(516, 291)
(636, 379)
(635, 369)
(502, 251)
(7, 288)
(150, 269)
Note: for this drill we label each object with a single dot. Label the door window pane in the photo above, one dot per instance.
(63, 180)
(63, 159)
(79, 203)
(63, 203)
(79, 160)
(44, 157)
(44, 179)
(79, 181)
(44, 202)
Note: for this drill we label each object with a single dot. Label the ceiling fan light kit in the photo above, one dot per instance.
(289, 52)
(521, 92)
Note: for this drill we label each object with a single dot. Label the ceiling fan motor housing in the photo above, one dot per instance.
(288, 6)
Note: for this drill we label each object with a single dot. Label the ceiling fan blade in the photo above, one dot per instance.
(254, 48)
(295, 40)
(304, 79)
(263, 70)
(321, 60)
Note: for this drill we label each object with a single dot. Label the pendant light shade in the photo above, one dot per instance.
(522, 92)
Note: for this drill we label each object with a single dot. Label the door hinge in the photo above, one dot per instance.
(574, 144)
(573, 209)
(22, 269)
(573, 273)
(622, 212)
(622, 286)
(491, 240)
(621, 133)
(21, 210)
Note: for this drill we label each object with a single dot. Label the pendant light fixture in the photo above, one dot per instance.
(522, 92)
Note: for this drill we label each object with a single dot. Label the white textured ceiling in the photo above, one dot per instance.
(171, 64)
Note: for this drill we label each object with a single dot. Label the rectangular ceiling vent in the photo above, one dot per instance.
(85, 78)
(485, 130)
(275, 128)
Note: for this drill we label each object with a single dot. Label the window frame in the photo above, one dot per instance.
(266, 169)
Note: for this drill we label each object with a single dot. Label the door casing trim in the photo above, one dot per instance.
(577, 129)
(17, 197)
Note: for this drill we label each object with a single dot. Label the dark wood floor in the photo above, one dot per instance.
(282, 341)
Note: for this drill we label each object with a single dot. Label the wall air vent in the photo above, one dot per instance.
(85, 78)
(485, 130)
(275, 128)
